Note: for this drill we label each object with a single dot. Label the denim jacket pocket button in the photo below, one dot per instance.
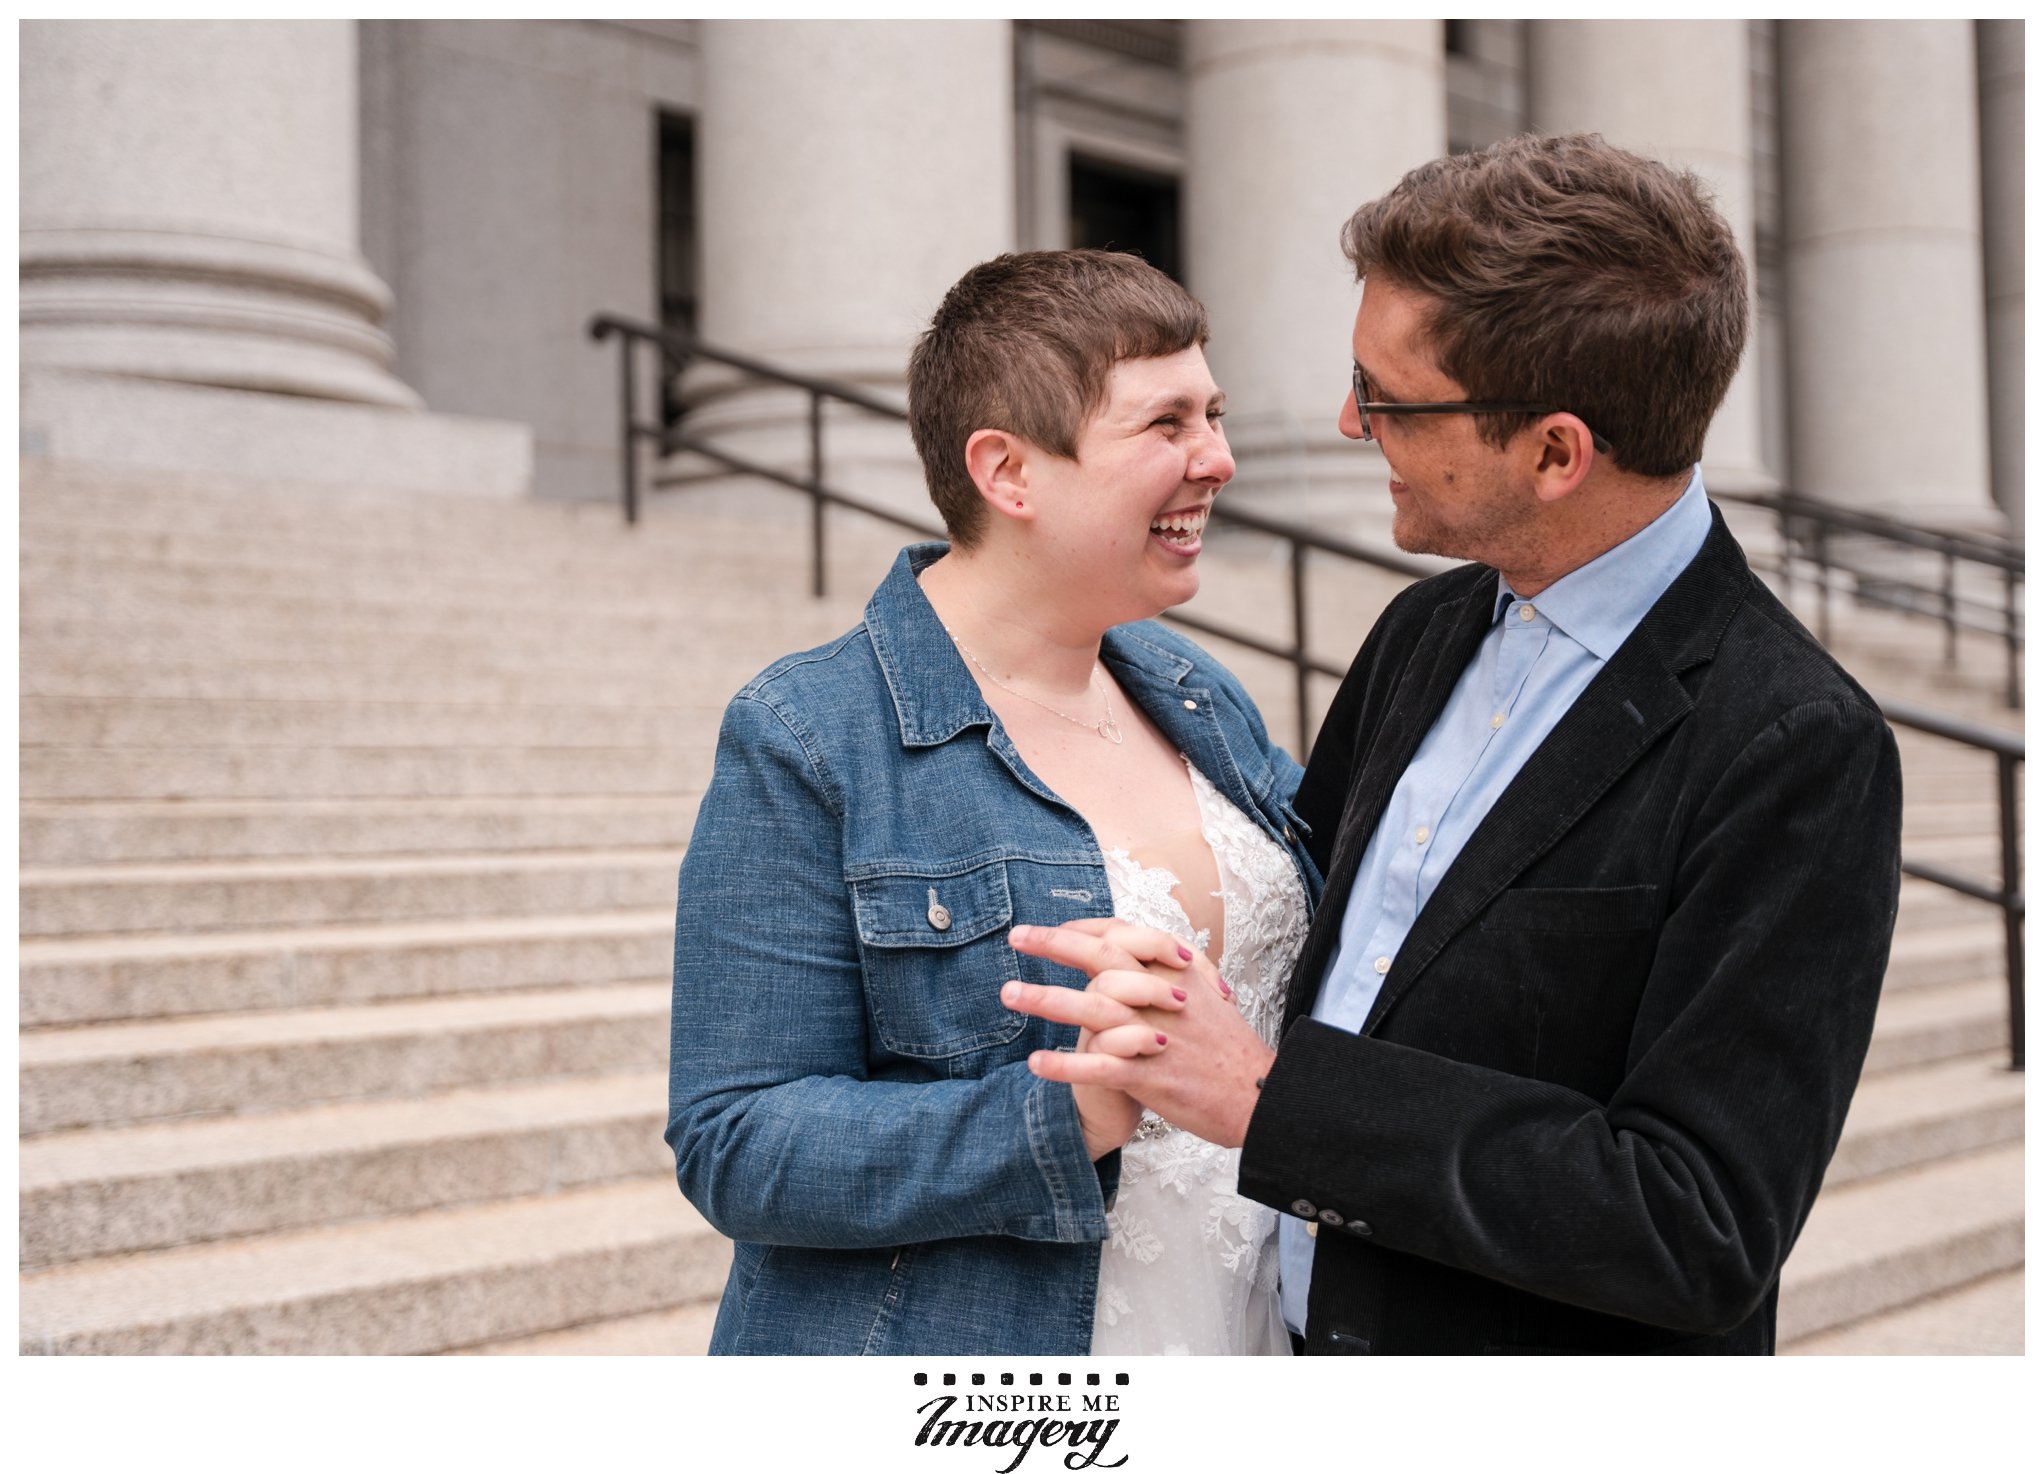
(940, 918)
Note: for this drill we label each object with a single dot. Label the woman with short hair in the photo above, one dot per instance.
(1005, 738)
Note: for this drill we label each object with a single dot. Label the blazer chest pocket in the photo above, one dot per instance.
(936, 946)
(1576, 910)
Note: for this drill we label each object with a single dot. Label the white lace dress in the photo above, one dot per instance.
(1191, 1268)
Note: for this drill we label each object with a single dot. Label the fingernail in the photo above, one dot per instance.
(1179, 994)
(1023, 933)
(1162, 1040)
(1226, 991)
(1185, 954)
(1010, 992)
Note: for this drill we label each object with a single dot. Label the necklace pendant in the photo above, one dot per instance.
(1106, 728)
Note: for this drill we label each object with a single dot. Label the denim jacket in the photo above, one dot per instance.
(849, 1100)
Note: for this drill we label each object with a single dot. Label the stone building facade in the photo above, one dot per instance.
(371, 248)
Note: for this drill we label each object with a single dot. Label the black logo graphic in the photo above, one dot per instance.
(1080, 1423)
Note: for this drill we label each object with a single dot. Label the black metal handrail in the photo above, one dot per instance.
(1808, 528)
(635, 432)
(2006, 748)
(2007, 751)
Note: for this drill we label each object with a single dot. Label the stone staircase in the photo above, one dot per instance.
(349, 826)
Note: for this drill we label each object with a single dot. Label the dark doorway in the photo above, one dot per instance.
(677, 246)
(1119, 208)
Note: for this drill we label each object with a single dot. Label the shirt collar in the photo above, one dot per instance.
(935, 696)
(1601, 603)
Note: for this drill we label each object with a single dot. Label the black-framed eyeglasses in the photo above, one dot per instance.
(1366, 408)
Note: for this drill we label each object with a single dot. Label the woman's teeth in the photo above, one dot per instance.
(1181, 527)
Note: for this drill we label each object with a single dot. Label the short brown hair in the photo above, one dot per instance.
(1565, 271)
(1024, 343)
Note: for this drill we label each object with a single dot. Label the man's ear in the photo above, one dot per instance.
(998, 463)
(1562, 456)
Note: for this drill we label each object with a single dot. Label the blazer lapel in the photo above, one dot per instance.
(1625, 710)
(1622, 713)
(1452, 634)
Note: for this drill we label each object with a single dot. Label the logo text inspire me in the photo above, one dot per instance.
(1084, 1440)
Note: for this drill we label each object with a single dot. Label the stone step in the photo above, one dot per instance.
(1984, 1318)
(59, 834)
(709, 675)
(681, 1332)
(1926, 905)
(85, 1194)
(1883, 1242)
(1920, 1026)
(55, 643)
(129, 721)
(425, 1282)
(591, 610)
(154, 975)
(271, 894)
(1906, 1117)
(358, 772)
(130, 1073)
(1924, 956)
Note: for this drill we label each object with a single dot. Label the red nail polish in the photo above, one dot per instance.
(1226, 991)
(1184, 954)
(1162, 1040)
(1179, 994)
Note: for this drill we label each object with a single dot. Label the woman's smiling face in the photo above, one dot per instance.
(1127, 513)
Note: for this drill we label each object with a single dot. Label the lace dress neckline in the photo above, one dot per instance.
(1190, 1267)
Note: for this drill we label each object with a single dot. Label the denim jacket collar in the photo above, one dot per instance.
(935, 696)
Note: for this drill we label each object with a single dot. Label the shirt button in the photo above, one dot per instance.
(1288, 834)
(1383, 965)
(1192, 706)
(1497, 720)
(939, 916)
(1312, 1230)
(1421, 836)
(1526, 613)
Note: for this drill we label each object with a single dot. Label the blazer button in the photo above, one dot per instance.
(1303, 1208)
(1357, 1226)
(1329, 1215)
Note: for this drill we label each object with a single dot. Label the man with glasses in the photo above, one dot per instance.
(1611, 844)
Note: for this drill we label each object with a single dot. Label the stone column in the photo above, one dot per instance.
(1290, 125)
(2001, 181)
(188, 207)
(1600, 76)
(850, 172)
(1887, 382)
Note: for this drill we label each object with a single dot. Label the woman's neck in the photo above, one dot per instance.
(999, 610)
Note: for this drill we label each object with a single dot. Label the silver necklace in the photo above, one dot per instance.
(1105, 727)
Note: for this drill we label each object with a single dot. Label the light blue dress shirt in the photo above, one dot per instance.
(1540, 655)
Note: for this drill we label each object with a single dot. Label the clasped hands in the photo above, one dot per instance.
(1157, 1029)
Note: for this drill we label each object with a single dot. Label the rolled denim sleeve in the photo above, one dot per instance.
(780, 1135)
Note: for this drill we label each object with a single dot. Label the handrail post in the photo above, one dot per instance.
(2015, 660)
(1951, 610)
(627, 356)
(816, 493)
(2012, 921)
(1823, 542)
(1301, 677)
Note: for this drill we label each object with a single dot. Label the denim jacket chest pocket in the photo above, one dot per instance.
(936, 949)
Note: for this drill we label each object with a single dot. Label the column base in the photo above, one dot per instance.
(123, 421)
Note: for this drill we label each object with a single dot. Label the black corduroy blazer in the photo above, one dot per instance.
(1597, 1093)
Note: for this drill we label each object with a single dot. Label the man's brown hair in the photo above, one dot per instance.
(1024, 343)
(1565, 271)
